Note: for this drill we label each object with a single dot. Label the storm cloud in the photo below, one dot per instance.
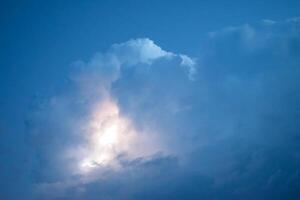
(221, 125)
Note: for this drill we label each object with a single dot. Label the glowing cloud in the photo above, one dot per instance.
(107, 135)
(93, 132)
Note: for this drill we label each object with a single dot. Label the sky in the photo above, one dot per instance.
(105, 100)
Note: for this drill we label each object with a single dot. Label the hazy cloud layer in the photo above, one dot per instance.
(225, 124)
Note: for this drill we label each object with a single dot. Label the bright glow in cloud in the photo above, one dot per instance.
(108, 135)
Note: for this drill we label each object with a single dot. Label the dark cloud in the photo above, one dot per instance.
(238, 120)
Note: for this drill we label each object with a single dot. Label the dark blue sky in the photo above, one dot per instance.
(39, 40)
(215, 82)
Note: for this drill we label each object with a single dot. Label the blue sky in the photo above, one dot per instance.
(149, 99)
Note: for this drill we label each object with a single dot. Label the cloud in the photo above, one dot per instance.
(137, 51)
(80, 133)
(223, 125)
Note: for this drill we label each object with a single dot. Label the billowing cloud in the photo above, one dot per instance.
(83, 132)
(139, 122)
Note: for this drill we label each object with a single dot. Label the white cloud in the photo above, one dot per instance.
(94, 118)
(137, 51)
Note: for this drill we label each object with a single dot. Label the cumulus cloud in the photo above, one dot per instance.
(225, 130)
(83, 132)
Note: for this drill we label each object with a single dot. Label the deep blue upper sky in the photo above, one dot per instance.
(40, 41)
